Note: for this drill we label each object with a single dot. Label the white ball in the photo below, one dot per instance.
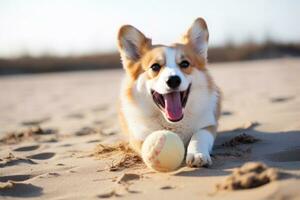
(163, 151)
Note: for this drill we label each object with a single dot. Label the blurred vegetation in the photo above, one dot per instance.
(253, 51)
(227, 53)
(27, 64)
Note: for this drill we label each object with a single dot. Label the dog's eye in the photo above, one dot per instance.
(155, 67)
(184, 64)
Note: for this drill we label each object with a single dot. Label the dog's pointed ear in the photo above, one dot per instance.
(197, 37)
(132, 43)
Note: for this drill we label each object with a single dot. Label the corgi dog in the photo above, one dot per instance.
(169, 87)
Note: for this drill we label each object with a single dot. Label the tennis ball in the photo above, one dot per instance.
(163, 151)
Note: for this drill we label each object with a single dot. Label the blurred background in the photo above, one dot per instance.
(51, 35)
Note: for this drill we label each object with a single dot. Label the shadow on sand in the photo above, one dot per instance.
(276, 149)
(22, 190)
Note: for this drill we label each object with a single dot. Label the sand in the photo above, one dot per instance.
(249, 175)
(52, 126)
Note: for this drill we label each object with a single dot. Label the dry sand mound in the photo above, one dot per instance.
(250, 175)
(121, 154)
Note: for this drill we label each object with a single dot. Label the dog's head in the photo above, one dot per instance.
(165, 72)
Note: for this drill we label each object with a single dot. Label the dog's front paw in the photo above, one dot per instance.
(198, 159)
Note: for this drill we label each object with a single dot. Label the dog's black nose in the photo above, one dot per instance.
(174, 81)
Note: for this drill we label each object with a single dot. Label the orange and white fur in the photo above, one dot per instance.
(169, 87)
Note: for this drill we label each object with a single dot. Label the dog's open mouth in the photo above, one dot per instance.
(172, 104)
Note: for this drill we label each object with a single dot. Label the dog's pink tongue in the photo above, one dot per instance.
(173, 107)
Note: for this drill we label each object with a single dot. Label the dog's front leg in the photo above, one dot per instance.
(199, 148)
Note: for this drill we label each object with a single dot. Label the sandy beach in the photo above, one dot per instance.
(51, 126)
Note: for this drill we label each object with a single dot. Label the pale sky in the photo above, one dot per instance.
(75, 27)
